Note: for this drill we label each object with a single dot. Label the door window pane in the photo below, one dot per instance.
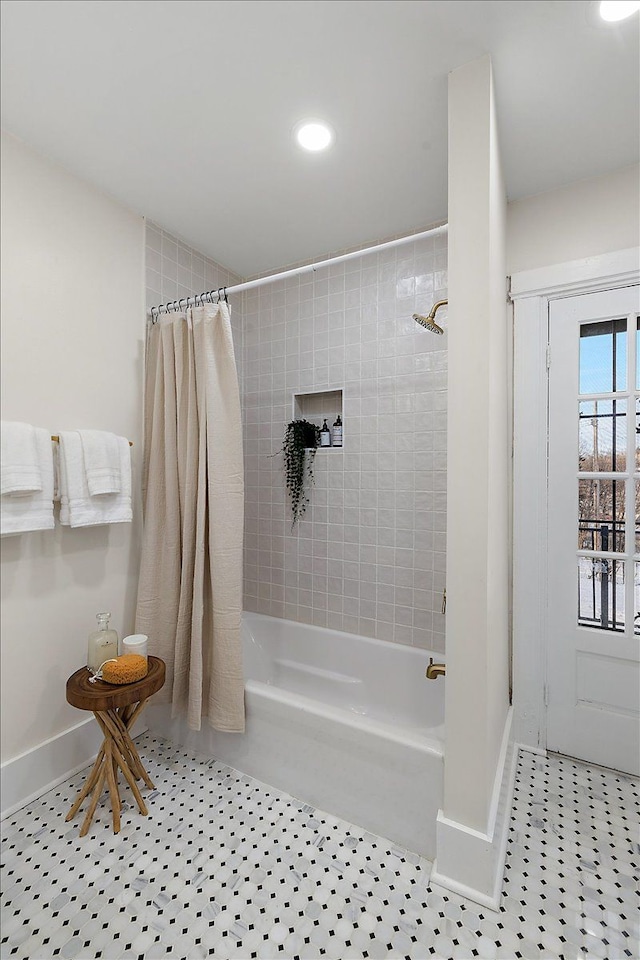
(637, 353)
(636, 598)
(601, 593)
(603, 436)
(603, 356)
(601, 515)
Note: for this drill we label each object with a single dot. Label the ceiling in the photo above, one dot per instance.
(183, 109)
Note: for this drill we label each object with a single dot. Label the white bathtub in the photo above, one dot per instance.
(342, 722)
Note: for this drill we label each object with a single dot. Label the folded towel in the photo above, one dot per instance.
(32, 511)
(19, 468)
(77, 507)
(101, 461)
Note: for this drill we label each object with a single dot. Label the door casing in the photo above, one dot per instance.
(531, 292)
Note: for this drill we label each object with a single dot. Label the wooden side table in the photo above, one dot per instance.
(116, 707)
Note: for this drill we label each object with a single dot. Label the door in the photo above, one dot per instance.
(593, 669)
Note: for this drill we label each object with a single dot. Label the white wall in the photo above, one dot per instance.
(582, 219)
(498, 555)
(477, 691)
(477, 584)
(72, 356)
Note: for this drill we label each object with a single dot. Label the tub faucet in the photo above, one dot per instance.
(435, 670)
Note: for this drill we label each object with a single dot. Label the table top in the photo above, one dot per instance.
(101, 696)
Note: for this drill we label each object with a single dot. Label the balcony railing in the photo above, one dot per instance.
(601, 580)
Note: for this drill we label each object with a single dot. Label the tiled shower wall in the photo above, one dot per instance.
(369, 555)
(175, 270)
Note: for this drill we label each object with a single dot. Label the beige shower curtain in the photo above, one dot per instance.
(190, 589)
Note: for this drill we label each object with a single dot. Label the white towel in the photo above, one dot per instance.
(101, 461)
(77, 507)
(19, 468)
(32, 511)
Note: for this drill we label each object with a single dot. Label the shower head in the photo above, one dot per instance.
(429, 322)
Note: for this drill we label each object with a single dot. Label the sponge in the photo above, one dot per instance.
(125, 669)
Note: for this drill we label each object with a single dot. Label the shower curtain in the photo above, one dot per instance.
(190, 588)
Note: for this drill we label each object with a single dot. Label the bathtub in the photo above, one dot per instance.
(342, 722)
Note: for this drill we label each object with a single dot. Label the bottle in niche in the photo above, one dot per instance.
(336, 433)
(325, 435)
(103, 643)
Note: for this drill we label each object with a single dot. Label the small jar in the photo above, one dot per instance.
(136, 643)
(103, 643)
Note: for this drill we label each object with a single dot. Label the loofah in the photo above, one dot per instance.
(125, 669)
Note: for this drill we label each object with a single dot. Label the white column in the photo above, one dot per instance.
(477, 707)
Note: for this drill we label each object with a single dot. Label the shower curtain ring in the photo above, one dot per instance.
(226, 298)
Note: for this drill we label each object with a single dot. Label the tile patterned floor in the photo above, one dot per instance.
(226, 867)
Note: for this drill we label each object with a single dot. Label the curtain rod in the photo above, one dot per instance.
(222, 292)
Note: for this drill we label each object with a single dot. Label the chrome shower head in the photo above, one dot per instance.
(429, 322)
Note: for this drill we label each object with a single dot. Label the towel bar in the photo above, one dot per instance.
(56, 439)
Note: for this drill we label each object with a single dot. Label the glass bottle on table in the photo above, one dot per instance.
(103, 643)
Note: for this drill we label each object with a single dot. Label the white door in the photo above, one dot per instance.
(593, 669)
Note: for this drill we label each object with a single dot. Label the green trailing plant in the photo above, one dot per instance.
(301, 439)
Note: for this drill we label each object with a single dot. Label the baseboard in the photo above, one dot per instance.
(33, 773)
(538, 751)
(469, 862)
(469, 893)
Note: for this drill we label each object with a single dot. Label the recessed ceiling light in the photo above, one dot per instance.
(313, 135)
(614, 10)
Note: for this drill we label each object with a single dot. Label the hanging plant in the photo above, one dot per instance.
(299, 449)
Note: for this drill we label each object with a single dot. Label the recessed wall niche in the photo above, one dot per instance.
(318, 406)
